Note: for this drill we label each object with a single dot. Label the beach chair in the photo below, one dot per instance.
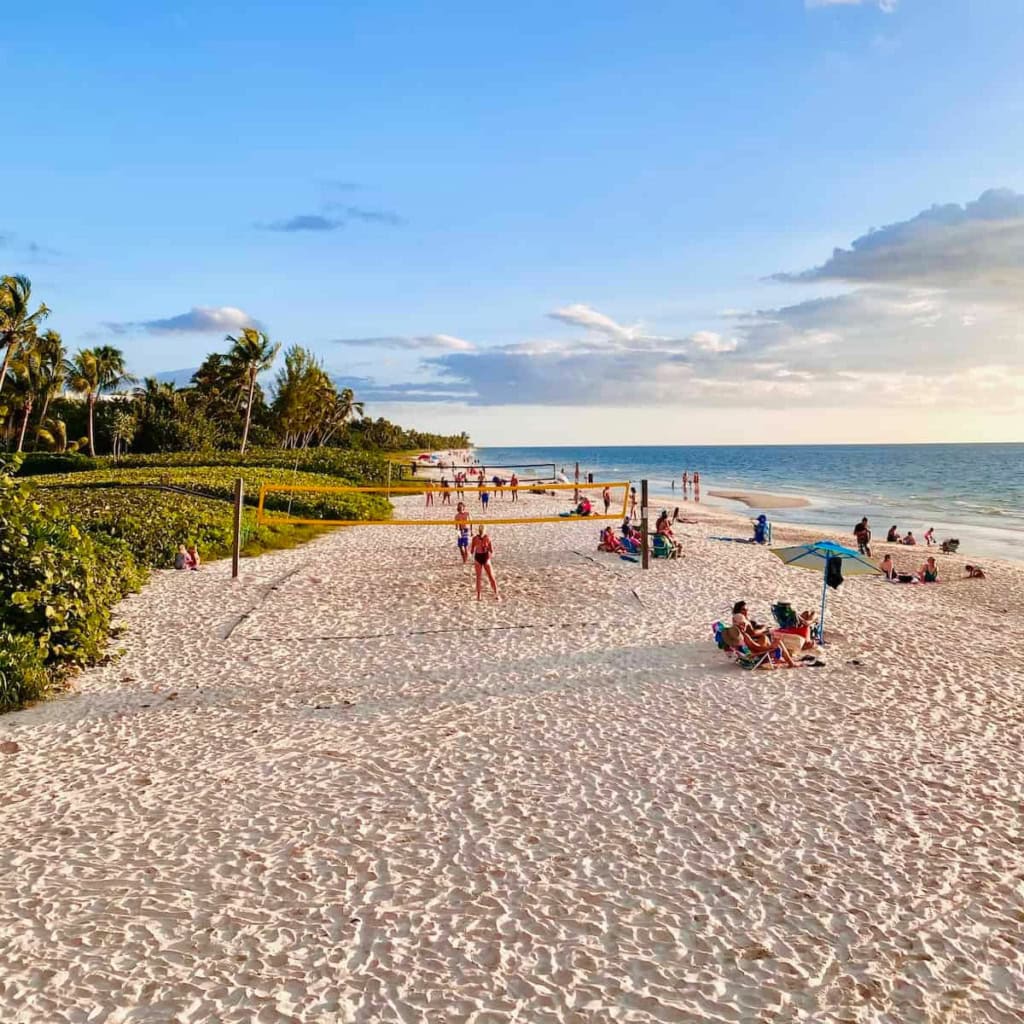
(729, 641)
(661, 546)
(785, 615)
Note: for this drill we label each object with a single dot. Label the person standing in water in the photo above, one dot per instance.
(462, 526)
(696, 485)
(686, 484)
(482, 550)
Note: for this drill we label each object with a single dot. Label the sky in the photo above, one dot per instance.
(718, 221)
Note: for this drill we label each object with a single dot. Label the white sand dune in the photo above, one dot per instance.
(341, 790)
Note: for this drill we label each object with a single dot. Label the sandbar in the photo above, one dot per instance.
(759, 499)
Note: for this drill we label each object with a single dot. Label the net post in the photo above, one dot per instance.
(388, 495)
(237, 530)
(645, 544)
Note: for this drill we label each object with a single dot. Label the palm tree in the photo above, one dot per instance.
(26, 369)
(53, 370)
(95, 371)
(344, 408)
(251, 353)
(17, 324)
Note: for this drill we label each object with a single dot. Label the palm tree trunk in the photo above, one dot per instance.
(248, 412)
(92, 433)
(27, 412)
(7, 361)
(42, 415)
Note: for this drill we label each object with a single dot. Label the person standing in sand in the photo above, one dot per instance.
(462, 526)
(515, 487)
(482, 550)
(632, 502)
(606, 497)
(696, 485)
(686, 484)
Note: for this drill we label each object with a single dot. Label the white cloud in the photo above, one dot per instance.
(198, 320)
(711, 341)
(421, 342)
(581, 315)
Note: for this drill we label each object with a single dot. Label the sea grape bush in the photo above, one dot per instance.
(58, 586)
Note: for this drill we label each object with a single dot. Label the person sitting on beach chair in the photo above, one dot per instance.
(609, 542)
(664, 536)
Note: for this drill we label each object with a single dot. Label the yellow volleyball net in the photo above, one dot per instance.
(504, 504)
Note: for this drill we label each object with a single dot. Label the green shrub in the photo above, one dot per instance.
(367, 467)
(23, 676)
(219, 482)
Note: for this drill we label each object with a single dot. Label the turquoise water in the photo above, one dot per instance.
(971, 491)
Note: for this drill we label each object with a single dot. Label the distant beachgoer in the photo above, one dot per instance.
(584, 508)
(664, 527)
(484, 497)
(696, 486)
(515, 487)
(888, 566)
(632, 501)
(462, 526)
(606, 497)
(609, 542)
(974, 572)
(929, 571)
(929, 536)
(686, 484)
(430, 496)
(863, 534)
(893, 536)
(192, 559)
(482, 550)
(909, 539)
(446, 494)
(181, 557)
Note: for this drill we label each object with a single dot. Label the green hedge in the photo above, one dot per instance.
(367, 467)
(58, 586)
(219, 482)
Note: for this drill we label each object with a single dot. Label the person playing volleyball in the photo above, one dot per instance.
(462, 526)
(482, 550)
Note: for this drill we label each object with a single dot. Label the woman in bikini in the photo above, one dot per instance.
(929, 572)
(481, 549)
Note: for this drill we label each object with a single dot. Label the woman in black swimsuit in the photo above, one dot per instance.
(481, 549)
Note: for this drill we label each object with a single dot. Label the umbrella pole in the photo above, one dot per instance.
(824, 594)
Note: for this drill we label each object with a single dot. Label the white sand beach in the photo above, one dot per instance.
(341, 790)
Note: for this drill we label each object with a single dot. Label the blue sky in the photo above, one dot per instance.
(413, 189)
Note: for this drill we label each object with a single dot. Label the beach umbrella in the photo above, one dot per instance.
(833, 561)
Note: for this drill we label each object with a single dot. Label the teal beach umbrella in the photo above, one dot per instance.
(833, 561)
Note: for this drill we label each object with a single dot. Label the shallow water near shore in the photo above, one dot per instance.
(974, 492)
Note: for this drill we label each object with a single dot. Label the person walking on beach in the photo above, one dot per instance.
(696, 485)
(515, 487)
(462, 526)
(482, 550)
(430, 496)
(863, 534)
(632, 502)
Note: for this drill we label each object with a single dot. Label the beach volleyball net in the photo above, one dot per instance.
(309, 505)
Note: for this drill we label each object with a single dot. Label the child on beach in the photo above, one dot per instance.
(181, 558)
(192, 560)
(974, 572)
(482, 550)
(929, 536)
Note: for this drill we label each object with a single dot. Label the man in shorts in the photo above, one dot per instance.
(462, 525)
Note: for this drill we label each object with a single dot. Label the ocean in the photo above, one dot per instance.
(974, 492)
